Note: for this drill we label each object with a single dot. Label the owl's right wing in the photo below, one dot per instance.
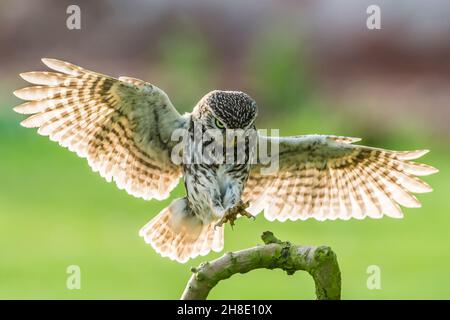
(122, 126)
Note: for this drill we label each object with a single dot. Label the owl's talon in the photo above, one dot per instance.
(241, 207)
(229, 216)
(232, 213)
(220, 223)
(248, 215)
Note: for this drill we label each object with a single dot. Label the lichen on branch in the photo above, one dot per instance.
(320, 262)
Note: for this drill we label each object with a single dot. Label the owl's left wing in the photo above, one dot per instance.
(328, 177)
(122, 126)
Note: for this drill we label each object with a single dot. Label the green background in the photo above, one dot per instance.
(55, 212)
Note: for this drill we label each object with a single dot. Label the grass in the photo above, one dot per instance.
(54, 212)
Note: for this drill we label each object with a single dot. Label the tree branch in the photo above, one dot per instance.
(320, 262)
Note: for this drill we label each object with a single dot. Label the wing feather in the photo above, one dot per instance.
(327, 177)
(122, 126)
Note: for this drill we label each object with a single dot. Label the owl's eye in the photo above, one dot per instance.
(219, 124)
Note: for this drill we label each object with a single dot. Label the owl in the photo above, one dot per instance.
(125, 128)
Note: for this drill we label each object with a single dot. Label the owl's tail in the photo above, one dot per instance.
(177, 234)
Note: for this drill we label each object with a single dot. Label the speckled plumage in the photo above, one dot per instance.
(123, 127)
(237, 109)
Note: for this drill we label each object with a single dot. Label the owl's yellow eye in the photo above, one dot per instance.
(219, 124)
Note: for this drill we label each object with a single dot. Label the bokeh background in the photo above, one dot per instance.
(312, 66)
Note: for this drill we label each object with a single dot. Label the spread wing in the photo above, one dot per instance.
(327, 177)
(122, 126)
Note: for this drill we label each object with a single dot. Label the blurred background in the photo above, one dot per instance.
(312, 66)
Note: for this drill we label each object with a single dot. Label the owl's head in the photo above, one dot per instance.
(226, 110)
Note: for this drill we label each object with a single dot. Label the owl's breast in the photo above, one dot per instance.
(207, 186)
(228, 175)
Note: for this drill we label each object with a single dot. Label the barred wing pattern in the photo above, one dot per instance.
(327, 177)
(122, 126)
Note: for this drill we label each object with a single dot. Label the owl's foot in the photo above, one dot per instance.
(231, 214)
(243, 210)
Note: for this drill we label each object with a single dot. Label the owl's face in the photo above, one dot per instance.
(226, 110)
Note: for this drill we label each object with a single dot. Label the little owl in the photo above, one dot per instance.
(124, 127)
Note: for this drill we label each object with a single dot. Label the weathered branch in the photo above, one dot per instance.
(320, 262)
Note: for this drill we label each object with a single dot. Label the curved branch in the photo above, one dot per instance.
(320, 262)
